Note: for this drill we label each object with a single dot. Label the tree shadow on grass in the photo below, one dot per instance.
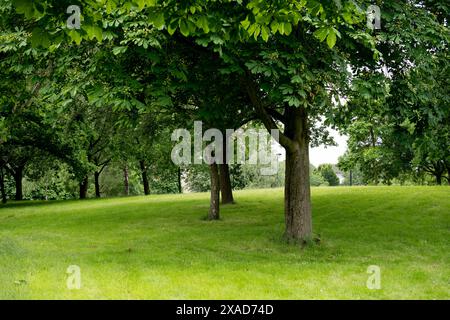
(38, 203)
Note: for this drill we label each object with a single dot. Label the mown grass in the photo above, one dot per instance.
(159, 247)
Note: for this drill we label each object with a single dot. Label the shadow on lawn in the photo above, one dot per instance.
(35, 203)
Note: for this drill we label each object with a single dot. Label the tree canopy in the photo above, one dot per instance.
(110, 91)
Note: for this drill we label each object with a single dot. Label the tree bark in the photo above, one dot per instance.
(84, 188)
(225, 184)
(439, 171)
(215, 190)
(2, 186)
(297, 202)
(126, 181)
(144, 177)
(18, 177)
(295, 139)
(224, 175)
(438, 179)
(180, 187)
(97, 184)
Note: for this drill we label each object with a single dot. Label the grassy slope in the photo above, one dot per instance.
(159, 247)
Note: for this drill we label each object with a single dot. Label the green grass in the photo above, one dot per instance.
(159, 247)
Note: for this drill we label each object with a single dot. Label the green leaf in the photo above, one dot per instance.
(292, 101)
(75, 36)
(331, 39)
(287, 28)
(93, 32)
(252, 28)
(245, 23)
(171, 28)
(296, 79)
(110, 5)
(157, 19)
(321, 33)
(40, 38)
(274, 26)
(257, 31)
(265, 33)
(203, 23)
(281, 28)
(286, 89)
(140, 4)
(192, 27)
(119, 50)
(347, 17)
(184, 28)
(408, 125)
(24, 7)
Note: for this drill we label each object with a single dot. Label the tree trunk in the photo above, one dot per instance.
(295, 139)
(97, 184)
(126, 181)
(215, 190)
(437, 169)
(224, 171)
(145, 182)
(18, 177)
(180, 187)
(351, 178)
(84, 188)
(438, 179)
(2, 185)
(225, 184)
(297, 203)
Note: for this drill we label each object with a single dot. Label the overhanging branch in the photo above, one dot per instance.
(264, 115)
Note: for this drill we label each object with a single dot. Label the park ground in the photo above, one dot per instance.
(160, 247)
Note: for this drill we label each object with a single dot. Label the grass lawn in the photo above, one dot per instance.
(159, 247)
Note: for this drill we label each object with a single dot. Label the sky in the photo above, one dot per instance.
(323, 154)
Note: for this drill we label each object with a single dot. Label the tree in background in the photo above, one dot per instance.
(403, 127)
(274, 49)
(277, 53)
(327, 172)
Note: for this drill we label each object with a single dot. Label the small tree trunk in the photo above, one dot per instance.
(225, 184)
(2, 185)
(126, 181)
(180, 187)
(215, 190)
(18, 177)
(84, 188)
(225, 180)
(144, 177)
(295, 140)
(297, 204)
(97, 184)
(438, 179)
(351, 178)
